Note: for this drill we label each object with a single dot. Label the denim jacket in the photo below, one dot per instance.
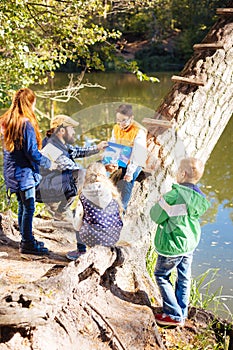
(21, 167)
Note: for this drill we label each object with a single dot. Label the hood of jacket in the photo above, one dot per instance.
(196, 203)
(98, 194)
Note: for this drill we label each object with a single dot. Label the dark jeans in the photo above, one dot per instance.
(125, 188)
(78, 177)
(81, 247)
(26, 209)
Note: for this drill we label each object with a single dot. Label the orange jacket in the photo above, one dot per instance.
(125, 137)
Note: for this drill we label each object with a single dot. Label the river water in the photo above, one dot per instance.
(215, 250)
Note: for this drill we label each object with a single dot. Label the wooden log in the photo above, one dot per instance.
(22, 317)
(205, 46)
(159, 122)
(224, 11)
(184, 80)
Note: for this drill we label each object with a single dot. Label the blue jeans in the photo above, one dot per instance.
(175, 300)
(126, 188)
(26, 209)
(81, 247)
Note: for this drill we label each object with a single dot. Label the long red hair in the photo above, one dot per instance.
(13, 121)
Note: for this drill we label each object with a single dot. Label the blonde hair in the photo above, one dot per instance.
(13, 120)
(96, 172)
(192, 169)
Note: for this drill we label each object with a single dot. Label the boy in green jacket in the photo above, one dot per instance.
(178, 233)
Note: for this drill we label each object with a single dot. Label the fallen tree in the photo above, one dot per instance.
(103, 301)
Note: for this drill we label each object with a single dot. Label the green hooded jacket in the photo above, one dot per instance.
(177, 214)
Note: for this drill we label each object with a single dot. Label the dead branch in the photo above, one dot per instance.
(69, 92)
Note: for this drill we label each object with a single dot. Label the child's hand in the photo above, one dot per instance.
(127, 178)
(111, 168)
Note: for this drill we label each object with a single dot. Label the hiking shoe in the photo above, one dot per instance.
(74, 255)
(165, 320)
(32, 248)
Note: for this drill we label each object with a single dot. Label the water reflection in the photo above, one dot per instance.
(118, 88)
(216, 247)
(219, 169)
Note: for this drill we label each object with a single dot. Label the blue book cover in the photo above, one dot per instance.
(117, 154)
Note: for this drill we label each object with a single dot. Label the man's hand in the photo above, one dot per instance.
(102, 145)
(127, 178)
(53, 166)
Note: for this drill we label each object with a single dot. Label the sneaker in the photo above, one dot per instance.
(165, 320)
(74, 255)
(32, 248)
(39, 243)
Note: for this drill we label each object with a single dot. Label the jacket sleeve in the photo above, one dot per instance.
(78, 215)
(31, 148)
(139, 153)
(157, 214)
(113, 139)
(166, 207)
(65, 163)
(81, 152)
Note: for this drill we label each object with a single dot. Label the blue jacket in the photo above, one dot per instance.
(21, 167)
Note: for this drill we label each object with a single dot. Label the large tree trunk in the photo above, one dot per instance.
(103, 301)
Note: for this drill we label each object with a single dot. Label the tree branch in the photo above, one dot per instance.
(71, 91)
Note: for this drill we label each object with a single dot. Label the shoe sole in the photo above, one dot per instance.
(33, 253)
(164, 323)
(73, 258)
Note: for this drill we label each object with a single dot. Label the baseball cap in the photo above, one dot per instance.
(62, 120)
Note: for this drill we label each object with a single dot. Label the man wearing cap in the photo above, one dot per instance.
(60, 185)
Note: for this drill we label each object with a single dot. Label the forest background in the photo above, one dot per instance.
(40, 38)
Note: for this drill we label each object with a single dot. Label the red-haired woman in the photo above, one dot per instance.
(21, 141)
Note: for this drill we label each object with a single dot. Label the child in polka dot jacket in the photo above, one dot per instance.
(101, 208)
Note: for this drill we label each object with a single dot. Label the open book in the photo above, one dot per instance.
(51, 152)
(117, 154)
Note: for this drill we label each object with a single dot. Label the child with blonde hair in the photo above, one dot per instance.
(178, 233)
(101, 210)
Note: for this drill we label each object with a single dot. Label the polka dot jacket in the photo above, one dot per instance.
(101, 226)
